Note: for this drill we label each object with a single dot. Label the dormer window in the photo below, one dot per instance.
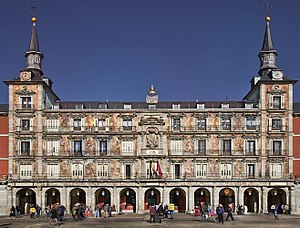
(248, 106)
(102, 106)
(225, 106)
(175, 106)
(225, 123)
(276, 102)
(26, 102)
(127, 106)
(200, 106)
(79, 106)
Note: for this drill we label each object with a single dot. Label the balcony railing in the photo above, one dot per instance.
(215, 128)
(87, 129)
(25, 107)
(24, 129)
(213, 177)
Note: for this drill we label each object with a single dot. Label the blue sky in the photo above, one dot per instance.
(115, 49)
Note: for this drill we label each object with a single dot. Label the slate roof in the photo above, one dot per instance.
(3, 107)
(297, 107)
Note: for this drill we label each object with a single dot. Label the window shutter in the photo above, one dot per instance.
(270, 124)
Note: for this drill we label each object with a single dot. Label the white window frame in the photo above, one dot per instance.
(273, 149)
(249, 175)
(226, 170)
(102, 170)
(127, 106)
(52, 125)
(101, 150)
(276, 170)
(251, 123)
(201, 170)
(181, 174)
(176, 147)
(176, 120)
(77, 171)
(200, 123)
(52, 147)
(25, 171)
(53, 171)
(247, 148)
(127, 147)
(175, 106)
(224, 120)
(127, 124)
(30, 146)
(272, 103)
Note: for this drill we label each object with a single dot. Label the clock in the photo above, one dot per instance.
(277, 75)
(25, 76)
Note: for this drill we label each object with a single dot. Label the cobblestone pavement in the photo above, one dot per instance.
(133, 220)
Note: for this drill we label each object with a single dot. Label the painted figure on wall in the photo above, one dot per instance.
(115, 168)
(91, 170)
(65, 169)
(115, 147)
(90, 146)
(188, 144)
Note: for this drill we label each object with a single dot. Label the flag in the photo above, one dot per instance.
(153, 169)
(150, 169)
(158, 169)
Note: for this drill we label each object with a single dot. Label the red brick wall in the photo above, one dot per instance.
(296, 141)
(3, 146)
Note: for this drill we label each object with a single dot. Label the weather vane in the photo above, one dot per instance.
(33, 13)
(267, 8)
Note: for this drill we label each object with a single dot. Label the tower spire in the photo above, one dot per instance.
(33, 54)
(267, 54)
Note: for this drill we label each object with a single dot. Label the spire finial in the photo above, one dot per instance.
(267, 8)
(33, 13)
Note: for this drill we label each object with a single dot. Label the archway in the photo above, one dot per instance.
(177, 197)
(25, 198)
(251, 200)
(77, 195)
(276, 196)
(152, 196)
(128, 200)
(52, 196)
(227, 198)
(201, 196)
(103, 196)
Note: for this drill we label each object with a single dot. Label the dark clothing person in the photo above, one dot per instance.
(220, 213)
(152, 214)
(12, 212)
(166, 210)
(229, 214)
(53, 215)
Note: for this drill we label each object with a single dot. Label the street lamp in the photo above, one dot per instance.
(78, 193)
(127, 193)
(152, 193)
(201, 193)
(103, 193)
(275, 193)
(26, 193)
(53, 192)
(177, 193)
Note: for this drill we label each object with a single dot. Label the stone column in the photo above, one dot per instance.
(140, 200)
(264, 199)
(215, 194)
(115, 197)
(88, 196)
(240, 196)
(292, 201)
(65, 199)
(190, 198)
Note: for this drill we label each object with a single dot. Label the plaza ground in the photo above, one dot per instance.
(135, 220)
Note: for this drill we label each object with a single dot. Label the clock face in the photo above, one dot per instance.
(278, 75)
(25, 76)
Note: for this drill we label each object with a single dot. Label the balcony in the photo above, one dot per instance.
(87, 129)
(24, 129)
(25, 108)
(215, 128)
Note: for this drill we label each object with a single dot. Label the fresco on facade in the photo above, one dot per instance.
(152, 137)
(238, 145)
(189, 168)
(90, 146)
(91, 169)
(115, 145)
(238, 168)
(214, 167)
(115, 168)
(214, 144)
(65, 169)
(64, 120)
(65, 146)
(188, 143)
(189, 121)
(114, 122)
(89, 121)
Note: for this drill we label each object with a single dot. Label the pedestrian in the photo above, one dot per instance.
(53, 214)
(276, 212)
(105, 209)
(38, 211)
(171, 209)
(221, 214)
(196, 211)
(120, 210)
(47, 211)
(272, 208)
(96, 211)
(18, 210)
(229, 213)
(152, 213)
(75, 213)
(60, 212)
(32, 212)
(12, 212)
(286, 209)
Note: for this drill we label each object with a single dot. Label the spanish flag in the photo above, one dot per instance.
(158, 169)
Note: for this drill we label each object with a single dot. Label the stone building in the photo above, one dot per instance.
(134, 154)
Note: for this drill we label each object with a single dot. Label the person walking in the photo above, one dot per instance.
(221, 214)
(96, 211)
(12, 212)
(166, 210)
(171, 209)
(229, 213)
(276, 212)
(53, 214)
(32, 212)
(152, 213)
(105, 209)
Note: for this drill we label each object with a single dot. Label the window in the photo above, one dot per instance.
(176, 124)
(251, 122)
(127, 106)
(52, 125)
(103, 147)
(175, 106)
(177, 171)
(25, 171)
(102, 170)
(250, 147)
(276, 170)
(127, 124)
(176, 147)
(226, 147)
(25, 148)
(201, 147)
(250, 171)
(226, 171)
(201, 123)
(26, 102)
(225, 106)
(52, 147)
(25, 124)
(277, 147)
(79, 106)
(101, 123)
(127, 148)
(248, 105)
(77, 171)
(276, 124)
(201, 170)
(52, 170)
(77, 124)
(128, 171)
(225, 123)
(276, 102)
(102, 106)
(200, 106)
(78, 147)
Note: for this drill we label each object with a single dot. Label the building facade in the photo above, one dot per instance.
(135, 154)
